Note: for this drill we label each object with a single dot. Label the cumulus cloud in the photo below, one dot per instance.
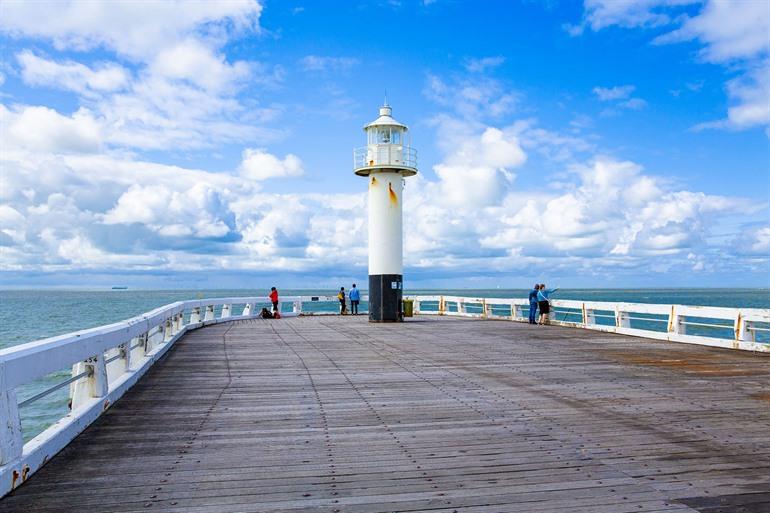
(181, 92)
(729, 30)
(44, 129)
(258, 164)
(118, 25)
(74, 76)
(195, 62)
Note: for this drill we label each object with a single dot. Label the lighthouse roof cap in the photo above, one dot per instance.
(385, 119)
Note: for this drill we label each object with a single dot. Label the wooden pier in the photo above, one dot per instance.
(333, 414)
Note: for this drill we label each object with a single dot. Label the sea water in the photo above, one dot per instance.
(28, 315)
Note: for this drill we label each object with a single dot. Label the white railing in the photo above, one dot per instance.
(106, 361)
(384, 154)
(733, 328)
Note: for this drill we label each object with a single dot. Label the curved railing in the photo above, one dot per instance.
(733, 328)
(105, 361)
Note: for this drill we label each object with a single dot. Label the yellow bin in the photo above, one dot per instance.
(408, 308)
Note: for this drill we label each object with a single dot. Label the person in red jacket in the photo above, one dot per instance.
(274, 298)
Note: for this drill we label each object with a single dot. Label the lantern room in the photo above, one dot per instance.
(387, 147)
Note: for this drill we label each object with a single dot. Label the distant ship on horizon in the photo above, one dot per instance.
(120, 288)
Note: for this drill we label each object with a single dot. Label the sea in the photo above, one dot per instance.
(28, 315)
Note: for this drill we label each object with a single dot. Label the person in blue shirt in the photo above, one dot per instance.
(533, 304)
(542, 302)
(355, 298)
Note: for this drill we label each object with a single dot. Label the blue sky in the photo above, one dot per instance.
(596, 143)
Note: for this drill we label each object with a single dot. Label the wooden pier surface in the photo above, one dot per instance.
(333, 414)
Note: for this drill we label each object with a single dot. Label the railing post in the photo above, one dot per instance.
(125, 354)
(168, 330)
(675, 322)
(247, 309)
(93, 385)
(209, 315)
(416, 306)
(484, 313)
(589, 318)
(225, 311)
(621, 318)
(11, 440)
(460, 307)
(743, 331)
(297, 307)
(179, 322)
(441, 306)
(195, 315)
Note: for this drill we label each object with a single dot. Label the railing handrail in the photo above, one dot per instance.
(743, 321)
(107, 360)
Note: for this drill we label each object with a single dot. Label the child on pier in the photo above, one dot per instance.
(341, 297)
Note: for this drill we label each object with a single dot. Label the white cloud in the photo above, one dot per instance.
(137, 33)
(44, 129)
(181, 92)
(327, 64)
(633, 104)
(613, 93)
(193, 61)
(483, 64)
(199, 211)
(71, 75)
(258, 164)
(600, 14)
(471, 98)
(728, 30)
(735, 34)
(621, 96)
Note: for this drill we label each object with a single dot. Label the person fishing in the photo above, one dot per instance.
(533, 304)
(542, 302)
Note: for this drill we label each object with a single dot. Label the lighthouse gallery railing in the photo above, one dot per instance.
(106, 361)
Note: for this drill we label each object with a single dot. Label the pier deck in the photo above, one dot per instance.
(335, 414)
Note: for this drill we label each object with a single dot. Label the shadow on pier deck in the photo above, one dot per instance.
(333, 414)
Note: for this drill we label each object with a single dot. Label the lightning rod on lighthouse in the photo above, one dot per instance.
(385, 161)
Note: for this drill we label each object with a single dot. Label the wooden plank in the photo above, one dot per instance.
(334, 413)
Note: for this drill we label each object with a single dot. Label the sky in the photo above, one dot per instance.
(603, 143)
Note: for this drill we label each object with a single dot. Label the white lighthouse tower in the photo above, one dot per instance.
(385, 160)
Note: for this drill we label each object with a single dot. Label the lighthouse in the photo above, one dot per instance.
(385, 161)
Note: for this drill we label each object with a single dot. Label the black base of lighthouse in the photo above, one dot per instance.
(385, 293)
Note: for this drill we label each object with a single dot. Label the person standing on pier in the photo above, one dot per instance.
(341, 297)
(533, 304)
(355, 298)
(274, 298)
(542, 302)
